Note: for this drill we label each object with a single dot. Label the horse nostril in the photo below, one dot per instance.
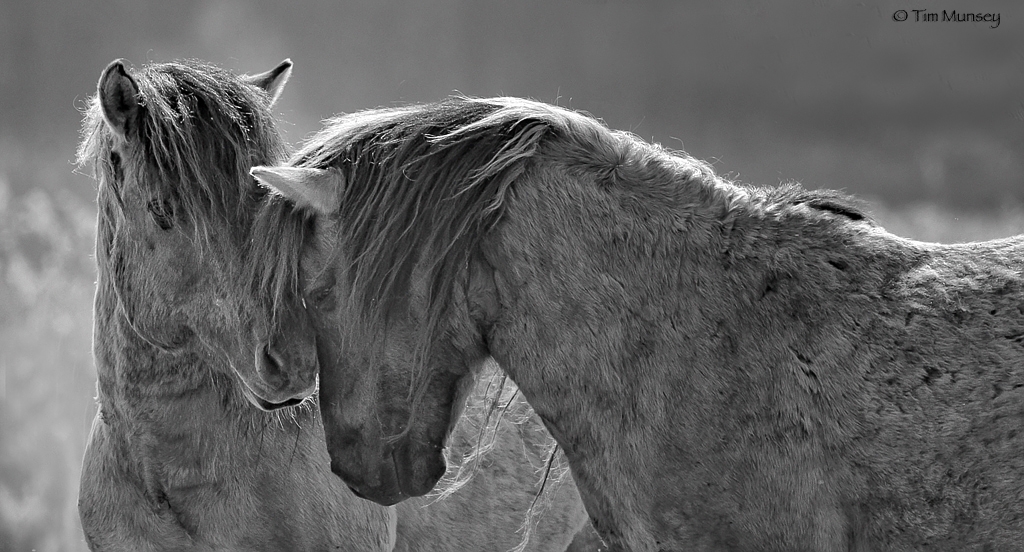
(272, 362)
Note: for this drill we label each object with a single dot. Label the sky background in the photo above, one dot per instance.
(924, 119)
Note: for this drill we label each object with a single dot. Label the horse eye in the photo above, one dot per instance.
(163, 213)
(322, 296)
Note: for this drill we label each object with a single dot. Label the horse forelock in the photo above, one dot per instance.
(200, 129)
(280, 231)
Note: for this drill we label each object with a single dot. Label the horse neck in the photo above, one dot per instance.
(590, 271)
(165, 408)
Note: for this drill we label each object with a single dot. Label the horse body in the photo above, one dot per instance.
(193, 446)
(726, 368)
(177, 459)
(798, 381)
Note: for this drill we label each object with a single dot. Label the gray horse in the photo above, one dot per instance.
(194, 446)
(726, 368)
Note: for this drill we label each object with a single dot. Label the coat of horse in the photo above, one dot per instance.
(178, 458)
(725, 367)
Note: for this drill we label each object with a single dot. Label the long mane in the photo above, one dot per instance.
(200, 126)
(425, 182)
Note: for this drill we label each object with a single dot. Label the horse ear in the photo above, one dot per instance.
(272, 81)
(317, 189)
(119, 97)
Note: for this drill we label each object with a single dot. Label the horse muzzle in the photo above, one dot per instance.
(396, 477)
(279, 381)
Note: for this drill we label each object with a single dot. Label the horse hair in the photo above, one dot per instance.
(195, 118)
(200, 125)
(424, 182)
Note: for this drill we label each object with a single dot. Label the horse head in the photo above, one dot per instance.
(171, 145)
(388, 401)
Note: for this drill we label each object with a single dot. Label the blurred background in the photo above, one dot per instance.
(923, 119)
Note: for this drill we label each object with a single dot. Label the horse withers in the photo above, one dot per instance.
(725, 367)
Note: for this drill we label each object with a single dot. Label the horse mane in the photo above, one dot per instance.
(200, 127)
(828, 201)
(425, 182)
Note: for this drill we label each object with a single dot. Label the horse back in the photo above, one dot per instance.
(942, 367)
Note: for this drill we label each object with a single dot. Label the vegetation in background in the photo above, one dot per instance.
(47, 381)
(926, 120)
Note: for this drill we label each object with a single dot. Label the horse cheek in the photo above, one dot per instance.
(163, 279)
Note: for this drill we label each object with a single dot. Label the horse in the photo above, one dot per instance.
(207, 436)
(726, 367)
